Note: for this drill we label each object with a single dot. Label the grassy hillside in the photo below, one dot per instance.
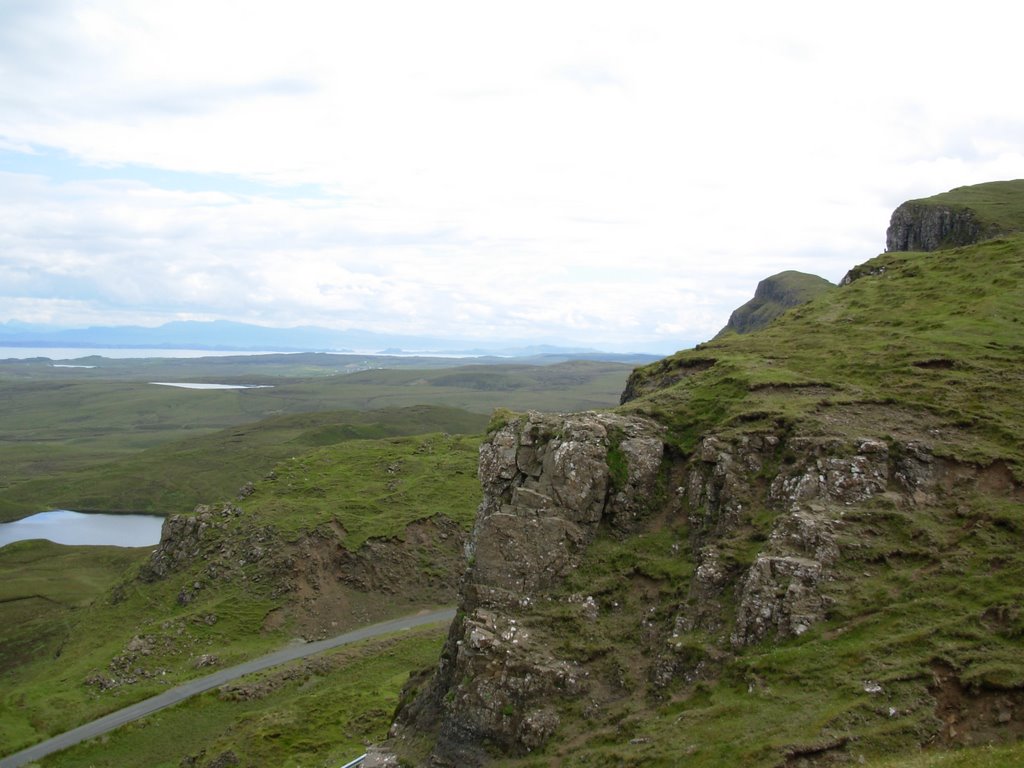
(320, 712)
(926, 342)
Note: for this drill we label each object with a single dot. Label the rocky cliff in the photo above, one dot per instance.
(552, 484)
(962, 216)
(928, 227)
(770, 556)
(759, 524)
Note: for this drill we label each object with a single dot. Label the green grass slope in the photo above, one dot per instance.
(936, 337)
(75, 647)
(919, 660)
(319, 712)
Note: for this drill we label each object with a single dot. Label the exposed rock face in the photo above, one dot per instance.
(315, 575)
(185, 539)
(553, 483)
(916, 226)
(780, 594)
(550, 482)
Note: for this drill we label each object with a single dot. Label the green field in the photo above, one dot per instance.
(319, 712)
(97, 441)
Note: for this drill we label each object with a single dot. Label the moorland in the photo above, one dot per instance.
(100, 436)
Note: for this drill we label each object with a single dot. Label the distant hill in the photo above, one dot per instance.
(775, 295)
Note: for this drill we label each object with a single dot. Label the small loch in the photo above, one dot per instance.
(63, 526)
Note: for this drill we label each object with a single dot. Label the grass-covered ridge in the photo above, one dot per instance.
(917, 662)
(935, 337)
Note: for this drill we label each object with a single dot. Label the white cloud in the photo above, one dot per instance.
(584, 170)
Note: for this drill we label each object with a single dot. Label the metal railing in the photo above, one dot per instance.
(354, 763)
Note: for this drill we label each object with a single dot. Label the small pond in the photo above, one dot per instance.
(195, 385)
(65, 527)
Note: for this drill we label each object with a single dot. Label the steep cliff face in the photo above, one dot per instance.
(551, 484)
(962, 216)
(547, 640)
(927, 227)
(576, 606)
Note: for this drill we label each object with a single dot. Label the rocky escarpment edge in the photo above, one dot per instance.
(553, 484)
(921, 226)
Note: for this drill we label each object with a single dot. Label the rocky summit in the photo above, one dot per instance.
(793, 547)
(773, 296)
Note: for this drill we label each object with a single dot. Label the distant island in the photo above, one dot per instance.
(220, 335)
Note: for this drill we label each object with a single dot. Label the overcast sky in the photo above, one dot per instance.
(619, 175)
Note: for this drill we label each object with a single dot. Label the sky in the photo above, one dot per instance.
(610, 174)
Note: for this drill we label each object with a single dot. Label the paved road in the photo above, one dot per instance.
(191, 688)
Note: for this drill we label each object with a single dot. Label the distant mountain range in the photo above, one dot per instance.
(243, 337)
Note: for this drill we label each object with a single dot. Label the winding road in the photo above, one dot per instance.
(199, 685)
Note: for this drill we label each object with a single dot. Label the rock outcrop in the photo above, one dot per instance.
(922, 226)
(203, 535)
(313, 575)
(961, 216)
(551, 483)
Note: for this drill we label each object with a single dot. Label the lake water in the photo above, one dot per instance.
(65, 527)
